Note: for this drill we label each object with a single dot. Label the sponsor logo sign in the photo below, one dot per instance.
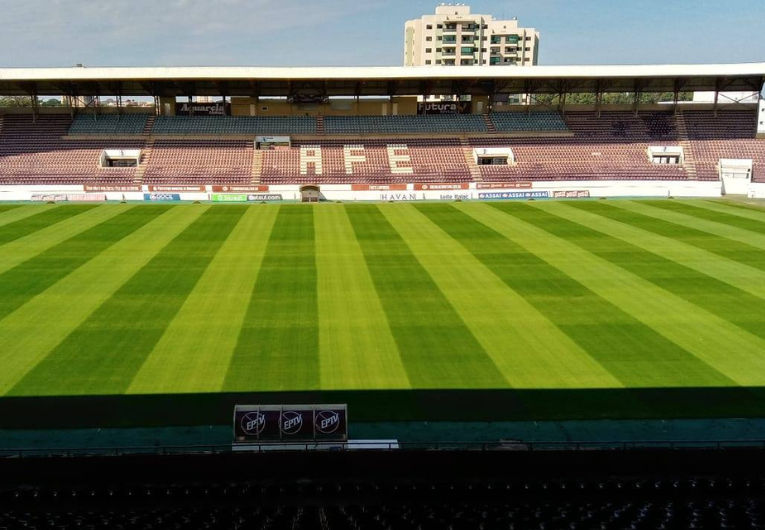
(178, 188)
(442, 186)
(507, 195)
(274, 423)
(161, 197)
(444, 107)
(245, 197)
(571, 194)
(239, 189)
(378, 187)
(270, 197)
(502, 185)
(398, 197)
(203, 109)
(45, 197)
(112, 188)
(69, 197)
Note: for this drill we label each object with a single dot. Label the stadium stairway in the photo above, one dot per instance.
(467, 149)
(257, 166)
(682, 134)
(489, 124)
(1, 124)
(145, 156)
(149, 125)
(320, 125)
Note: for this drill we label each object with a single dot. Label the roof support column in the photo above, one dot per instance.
(598, 97)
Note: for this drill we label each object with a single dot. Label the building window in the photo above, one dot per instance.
(440, 26)
(428, 50)
(438, 61)
(528, 39)
(483, 50)
(439, 38)
(428, 39)
(466, 62)
(496, 39)
(429, 26)
(427, 62)
(438, 50)
(467, 50)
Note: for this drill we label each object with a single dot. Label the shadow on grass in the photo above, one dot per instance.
(393, 405)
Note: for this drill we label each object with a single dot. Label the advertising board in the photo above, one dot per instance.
(285, 423)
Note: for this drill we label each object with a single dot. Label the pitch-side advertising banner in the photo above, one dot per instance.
(162, 197)
(507, 195)
(286, 423)
(245, 197)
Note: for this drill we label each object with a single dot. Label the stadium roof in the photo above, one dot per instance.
(378, 81)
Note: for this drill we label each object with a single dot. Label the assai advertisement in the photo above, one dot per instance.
(508, 195)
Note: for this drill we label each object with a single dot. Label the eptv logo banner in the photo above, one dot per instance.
(288, 423)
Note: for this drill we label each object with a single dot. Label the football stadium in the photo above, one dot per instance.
(428, 298)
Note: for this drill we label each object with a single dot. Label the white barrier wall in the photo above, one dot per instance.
(399, 193)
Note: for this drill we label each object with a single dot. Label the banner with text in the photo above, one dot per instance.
(506, 195)
(239, 189)
(161, 197)
(502, 185)
(573, 194)
(178, 189)
(287, 423)
(442, 186)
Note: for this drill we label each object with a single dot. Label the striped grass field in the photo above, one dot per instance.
(646, 308)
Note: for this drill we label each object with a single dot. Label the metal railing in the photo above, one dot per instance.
(508, 445)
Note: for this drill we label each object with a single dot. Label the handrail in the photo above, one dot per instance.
(479, 446)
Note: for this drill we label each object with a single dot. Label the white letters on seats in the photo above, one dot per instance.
(310, 154)
(394, 159)
(350, 158)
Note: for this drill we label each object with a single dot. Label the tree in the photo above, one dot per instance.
(51, 103)
(15, 101)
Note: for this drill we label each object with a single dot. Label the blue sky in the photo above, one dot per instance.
(316, 33)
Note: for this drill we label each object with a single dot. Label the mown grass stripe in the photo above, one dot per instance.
(727, 302)
(437, 348)
(740, 235)
(23, 282)
(752, 211)
(7, 207)
(44, 218)
(20, 250)
(529, 350)
(66, 305)
(103, 355)
(629, 349)
(722, 351)
(18, 212)
(356, 346)
(703, 211)
(278, 346)
(195, 349)
(639, 230)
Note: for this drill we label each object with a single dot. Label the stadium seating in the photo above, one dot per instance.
(200, 162)
(730, 134)
(531, 122)
(432, 160)
(128, 124)
(35, 153)
(432, 124)
(611, 147)
(223, 125)
(556, 505)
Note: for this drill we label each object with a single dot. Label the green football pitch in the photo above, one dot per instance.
(574, 309)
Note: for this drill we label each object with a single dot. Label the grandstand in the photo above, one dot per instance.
(325, 141)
